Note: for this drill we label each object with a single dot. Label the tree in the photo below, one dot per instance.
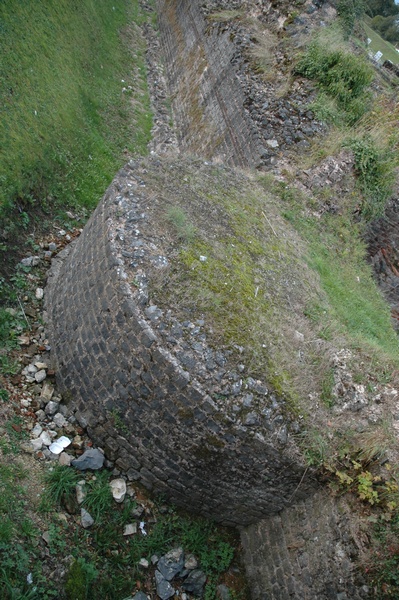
(349, 12)
(387, 27)
(385, 8)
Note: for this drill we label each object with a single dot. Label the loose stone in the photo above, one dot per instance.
(80, 491)
(172, 563)
(164, 589)
(36, 431)
(143, 562)
(65, 459)
(51, 408)
(45, 438)
(92, 459)
(130, 529)
(86, 519)
(195, 582)
(118, 488)
(40, 376)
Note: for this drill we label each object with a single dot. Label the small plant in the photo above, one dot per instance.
(61, 483)
(4, 395)
(376, 176)
(98, 499)
(178, 218)
(341, 75)
(80, 577)
(118, 422)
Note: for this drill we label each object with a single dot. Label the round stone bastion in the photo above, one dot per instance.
(170, 410)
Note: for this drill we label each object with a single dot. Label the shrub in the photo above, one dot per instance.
(375, 175)
(340, 75)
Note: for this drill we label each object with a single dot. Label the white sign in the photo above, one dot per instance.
(377, 56)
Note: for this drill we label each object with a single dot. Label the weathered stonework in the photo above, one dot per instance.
(306, 552)
(146, 384)
(207, 98)
(151, 408)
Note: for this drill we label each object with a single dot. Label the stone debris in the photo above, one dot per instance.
(195, 582)
(80, 491)
(91, 459)
(164, 588)
(118, 488)
(86, 519)
(130, 529)
(172, 563)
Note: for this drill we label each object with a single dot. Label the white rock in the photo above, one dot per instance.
(59, 420)
(191, 562)
(118, 488)
(41, 365)
(39, 293)
(47, 392)
(36, 431)
(46, 537)
(130, 529)
(272, 143)
(46, 439)
(37, 444)
(51, 408)
(143, 562)
(31, 369)
(299, 337)
(40, 376)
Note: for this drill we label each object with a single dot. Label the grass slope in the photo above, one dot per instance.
(379, 44)
(64, 120)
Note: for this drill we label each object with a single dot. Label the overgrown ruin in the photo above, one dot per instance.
(175, 403)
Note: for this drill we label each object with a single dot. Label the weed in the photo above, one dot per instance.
(118, 422)
(178, 218)
(79, 579)
(4, 395)
(316, 447)
(341, 75)
(61, 483)
(376, 175)
(98, 499)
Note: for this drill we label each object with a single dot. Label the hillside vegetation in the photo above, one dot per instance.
(65, 120)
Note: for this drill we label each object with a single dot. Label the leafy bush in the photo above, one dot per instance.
(376, 177)
(340, 75)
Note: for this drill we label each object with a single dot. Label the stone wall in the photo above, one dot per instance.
(308, 551)
(146, 404)
(207, 98)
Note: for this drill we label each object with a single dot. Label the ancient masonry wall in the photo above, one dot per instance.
(207, 98)
(149, 413)
(307, 551)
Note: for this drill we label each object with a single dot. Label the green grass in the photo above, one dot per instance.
(353, 305)
(106, 562)
(378, 44)
(64, 121)
(342, 76)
